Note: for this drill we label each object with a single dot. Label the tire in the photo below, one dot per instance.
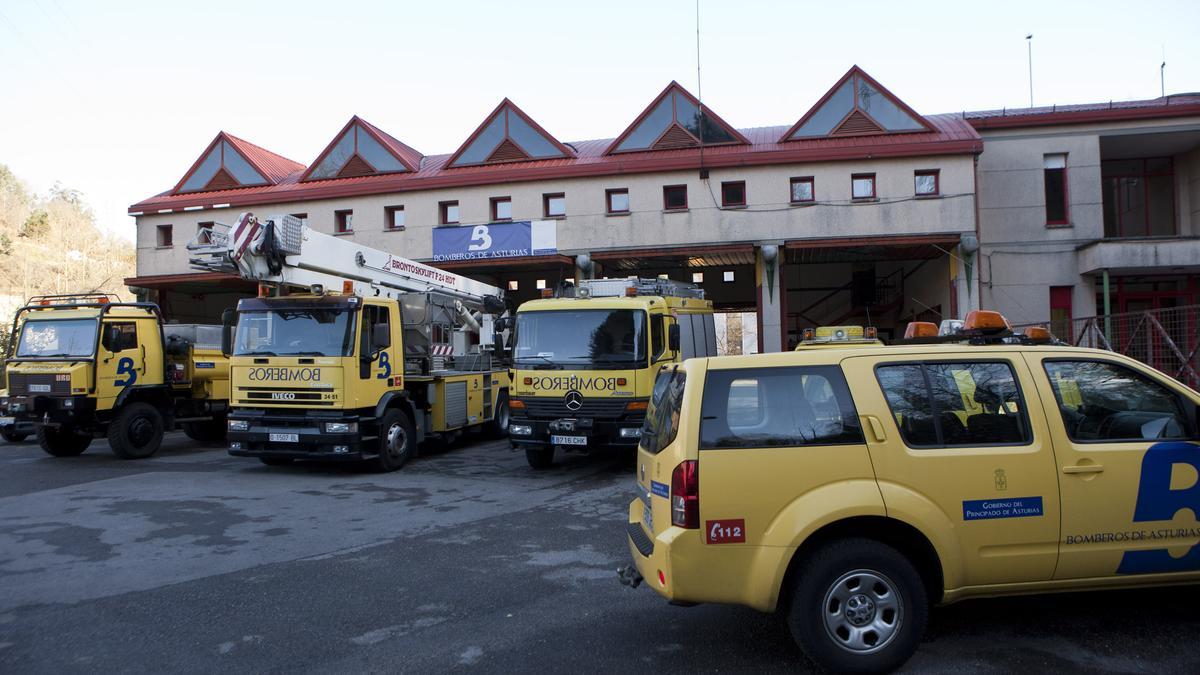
(397, 441)
(276, 461)
(62, 441)
(540, 458)
(13, 436)
(137, 431)
(212, 431)
(498, 426)
(859, 606)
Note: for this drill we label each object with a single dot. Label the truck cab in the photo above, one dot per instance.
(585, 362)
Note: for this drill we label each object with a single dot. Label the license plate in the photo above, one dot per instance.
(648, 517)
(285, 438)
(39, 388)
(5, 421)
(569, 440)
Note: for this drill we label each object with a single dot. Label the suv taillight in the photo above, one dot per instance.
(685, 495)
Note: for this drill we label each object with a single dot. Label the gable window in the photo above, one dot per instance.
(344, 221)
(675, 120)
(733, 193)
(359, 151)
(862, 186)
(448, 213)
(507, 135)
(165, 235)
(925, 183)
(222, 167)
(675, 197)
(802, 190)
(1054, 174)
(501, 208)
(617, 200)
(857, 105)
(554, 205)
(393, 217)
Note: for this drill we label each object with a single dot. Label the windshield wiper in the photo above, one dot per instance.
(259, 353)
(302, 354)
(550, 365)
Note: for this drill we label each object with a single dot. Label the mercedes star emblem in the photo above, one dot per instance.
(573, 400)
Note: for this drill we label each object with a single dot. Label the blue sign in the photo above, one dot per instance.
(660, 489)
(1005, 507)
(495, 240)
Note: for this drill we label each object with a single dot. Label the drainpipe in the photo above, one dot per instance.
(1107, 311)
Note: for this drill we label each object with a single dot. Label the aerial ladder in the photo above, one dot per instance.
(417, 350)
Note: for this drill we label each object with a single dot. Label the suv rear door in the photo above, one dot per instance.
(960, 449)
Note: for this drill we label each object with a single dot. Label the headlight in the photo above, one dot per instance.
(633, 432)
(341, 427)
(239, 425)
(520, 430)
(68, 403)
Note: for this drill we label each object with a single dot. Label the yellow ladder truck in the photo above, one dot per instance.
(351, 353)
(88, 365)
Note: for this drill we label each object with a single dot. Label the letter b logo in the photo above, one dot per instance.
(480, 235)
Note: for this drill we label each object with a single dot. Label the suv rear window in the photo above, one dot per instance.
(945, 404)
(662, 415)
(1102, 401)
(777, 407)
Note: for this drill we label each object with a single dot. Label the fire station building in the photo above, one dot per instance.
(861, 210)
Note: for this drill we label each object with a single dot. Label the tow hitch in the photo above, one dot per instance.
(629, 576)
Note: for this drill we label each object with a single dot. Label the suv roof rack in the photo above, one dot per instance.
(90, 298)
(631, 287)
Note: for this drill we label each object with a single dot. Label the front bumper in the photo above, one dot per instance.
(52, 410)
(599, 433)
(265, 432)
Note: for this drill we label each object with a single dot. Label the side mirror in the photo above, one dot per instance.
(227, 318)
(673, 337)
(381, 337)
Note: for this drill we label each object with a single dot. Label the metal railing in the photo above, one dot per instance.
(1167, 338)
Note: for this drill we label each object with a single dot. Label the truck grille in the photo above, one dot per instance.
(554, 408)
(265, 395)
(25, 384)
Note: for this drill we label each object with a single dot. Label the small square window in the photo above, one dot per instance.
(501, 208)
(727, 275)
(925, 183)
(617, 200)
(733, 193)
(862, 186)
(302, 216)
(554, 205)
(541, 284)
(514, 285)
(203, 236)
(675, 197)
(802, 190)
(697, 277)
(344, 220)
(448, 213)
(393, 217)
(165, 234)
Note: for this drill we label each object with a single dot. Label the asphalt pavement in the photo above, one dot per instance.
(465, 560)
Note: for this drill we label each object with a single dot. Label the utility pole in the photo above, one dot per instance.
(1029, 44)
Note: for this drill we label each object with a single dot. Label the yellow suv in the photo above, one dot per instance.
(850, 489)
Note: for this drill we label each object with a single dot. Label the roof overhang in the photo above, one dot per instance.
(1143, 255)
(1053, 117)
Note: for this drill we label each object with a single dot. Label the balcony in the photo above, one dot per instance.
(1141, 255)
(1145, 183)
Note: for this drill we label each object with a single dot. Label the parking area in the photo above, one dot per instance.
(466, 559)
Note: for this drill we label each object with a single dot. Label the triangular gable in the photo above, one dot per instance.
(362, 149)
(675, 119)
(507, 135)
(857, 106)
(229, 162)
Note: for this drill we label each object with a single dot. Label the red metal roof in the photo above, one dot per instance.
(1176, 105)
(274, 167)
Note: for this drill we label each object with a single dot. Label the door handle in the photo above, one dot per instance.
(1083, 468)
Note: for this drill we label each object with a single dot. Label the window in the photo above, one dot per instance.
(119, 336)
(802, 190)
(514, 285)
(165, 236)
(540, 284)
(372, 316)
(617, 200)
(676, 120)
(955, 404)
(344, 221)
(1102, 401)
(554, 205)
(675, 197)
(727, 276)
(777, 407)
(393, 217)
(862, 186)
(658, 343)
(1055, 176)
(203, 236)
(697, 277)
(448, 213)
(662, 415)
(925, 183)
(1139, 197)
(733, 193)
(302, 216)
(501, 208)
(1060, 312)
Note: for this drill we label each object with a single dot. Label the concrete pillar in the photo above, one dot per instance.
(768, 281)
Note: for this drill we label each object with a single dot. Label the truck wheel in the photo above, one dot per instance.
(859, 607)
(211, 431)
(62, 441)
(397, 441)
(540, 458)
(137, 431)
(13, 436)
(498, 426)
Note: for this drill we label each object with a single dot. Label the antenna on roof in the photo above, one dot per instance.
(700, 95)
(1162, 69)
(1029, 44)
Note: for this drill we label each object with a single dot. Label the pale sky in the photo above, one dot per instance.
(117, 99)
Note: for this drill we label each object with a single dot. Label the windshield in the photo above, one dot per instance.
(296, 332)
(64, 337)
(590, 338)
